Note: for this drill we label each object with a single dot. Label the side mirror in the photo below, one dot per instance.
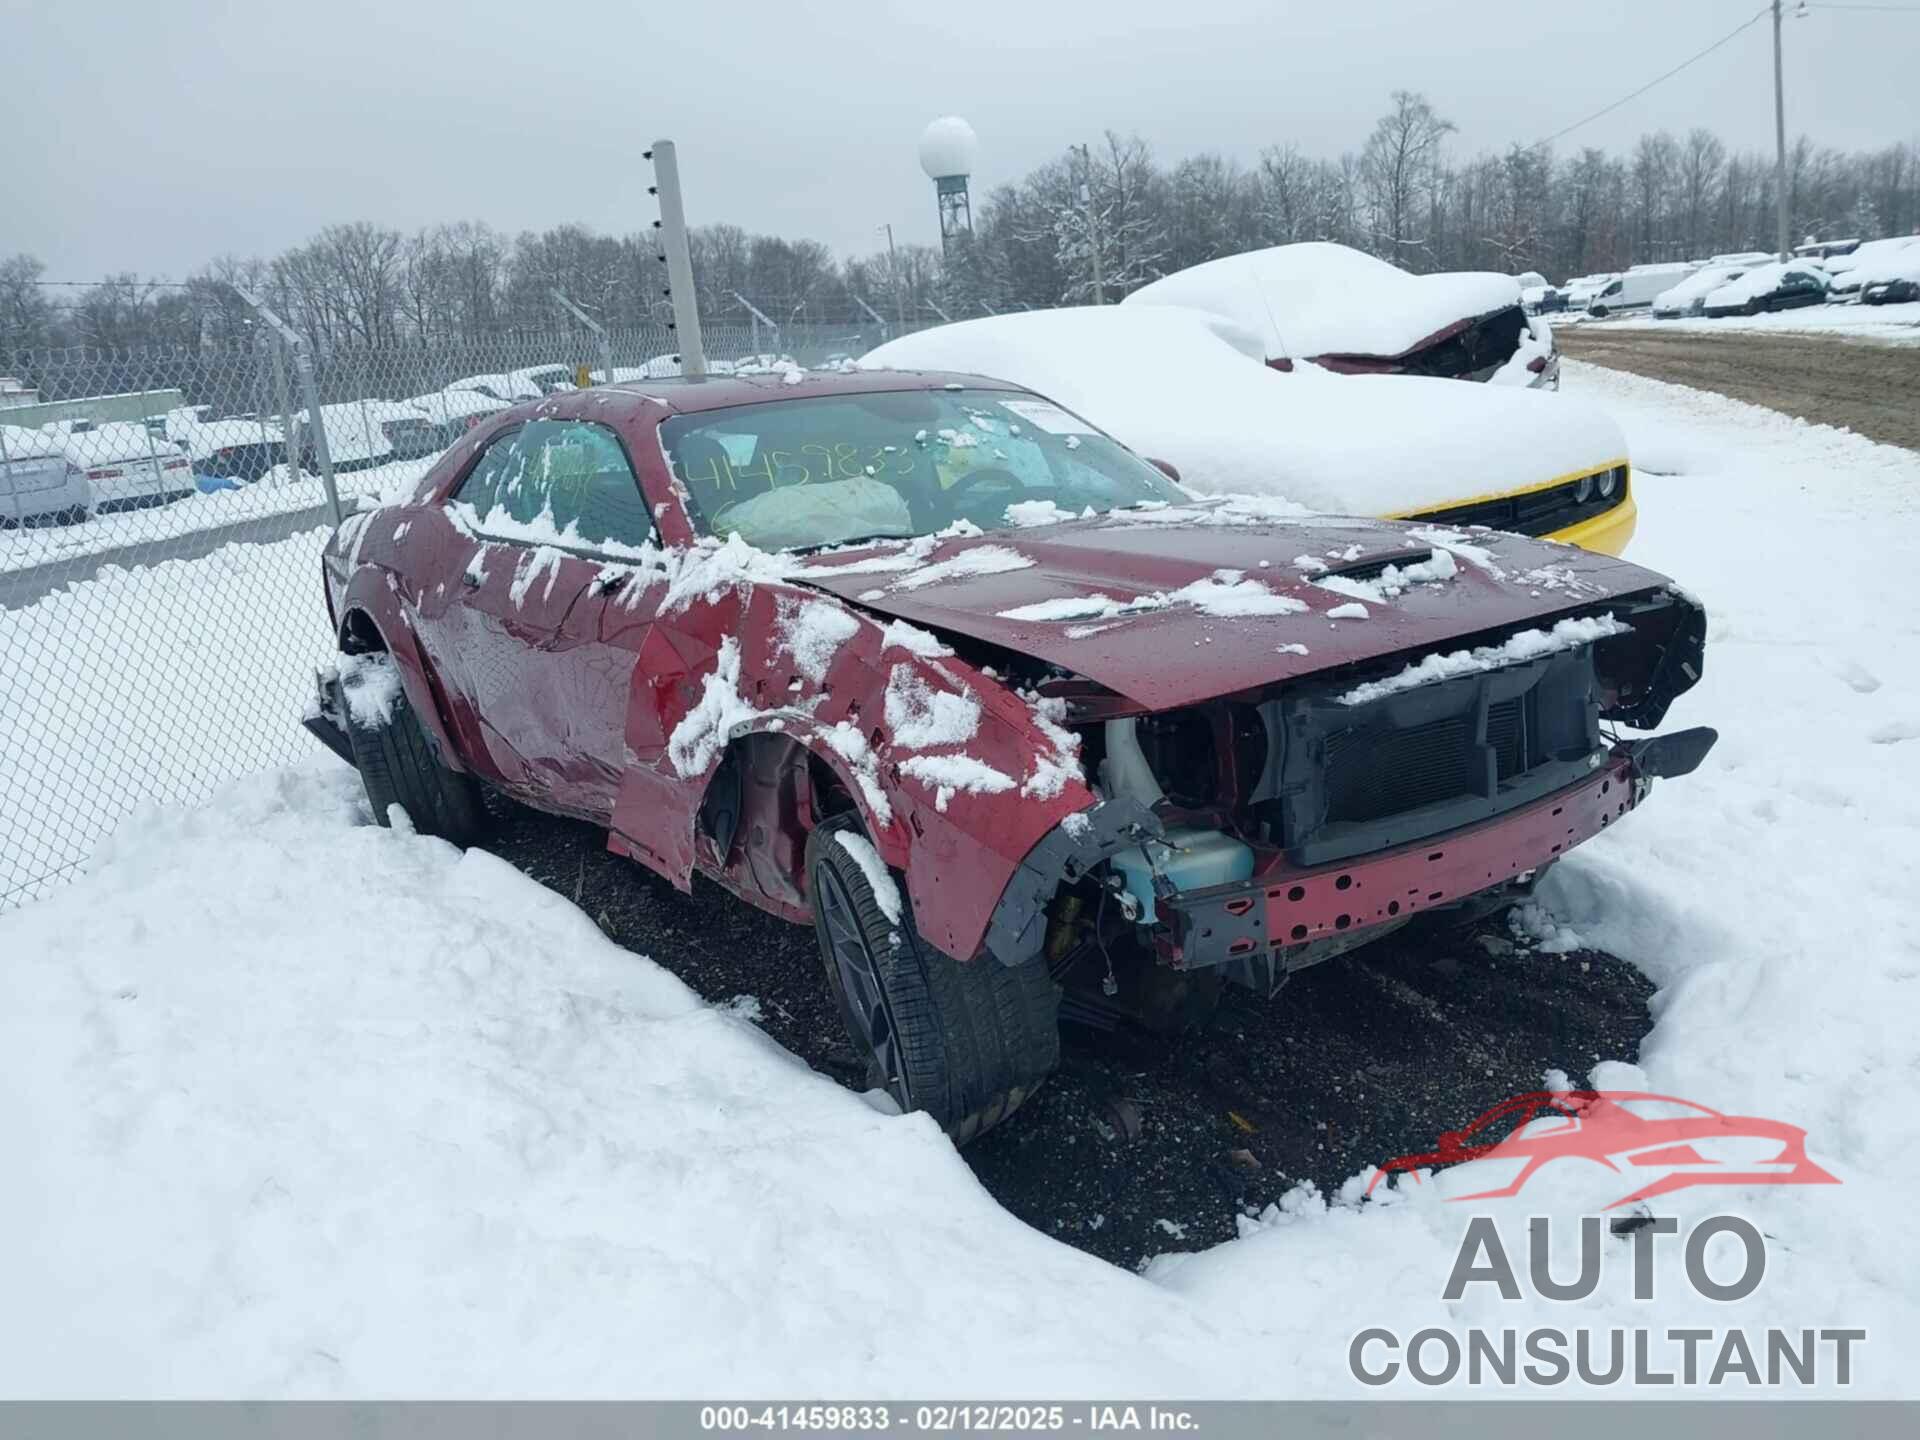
(1166, 468)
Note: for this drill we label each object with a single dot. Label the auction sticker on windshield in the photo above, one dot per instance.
(1048, 417)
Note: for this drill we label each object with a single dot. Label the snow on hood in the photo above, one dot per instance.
(1185, 386)
(1318, 298)
(1173, 605)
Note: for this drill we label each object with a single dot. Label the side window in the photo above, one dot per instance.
(561, 481)
(481, 488)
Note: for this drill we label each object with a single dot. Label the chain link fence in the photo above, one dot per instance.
(161, 519)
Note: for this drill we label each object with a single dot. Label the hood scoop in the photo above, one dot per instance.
(1374, 566)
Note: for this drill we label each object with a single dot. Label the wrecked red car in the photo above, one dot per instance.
(1019, 726)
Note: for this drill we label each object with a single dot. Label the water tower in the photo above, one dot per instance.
(947, 148)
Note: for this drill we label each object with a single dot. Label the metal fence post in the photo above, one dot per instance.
(310, 389)
(673, 234)
(310, 392)
(599, 331)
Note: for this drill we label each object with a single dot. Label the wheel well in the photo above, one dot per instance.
(359, 635)
(768, 793)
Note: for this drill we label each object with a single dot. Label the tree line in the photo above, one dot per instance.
(1095, 222)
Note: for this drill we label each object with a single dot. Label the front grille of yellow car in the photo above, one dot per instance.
(1538, 512)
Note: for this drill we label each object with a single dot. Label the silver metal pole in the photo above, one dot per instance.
(599, 330)
(283, 397)
(878, 318)
(673, 235)
(1779, 143)
(935, 308)
(760, 317)
(310, 391)
(1093, 226)
(893, 265)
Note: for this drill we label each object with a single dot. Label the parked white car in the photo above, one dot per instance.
(1351, 313)
(1637, 288)
(1689, 296)
(37, 484)
(1582, 288)
(127, 466)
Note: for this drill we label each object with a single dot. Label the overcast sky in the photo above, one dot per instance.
(152, 134)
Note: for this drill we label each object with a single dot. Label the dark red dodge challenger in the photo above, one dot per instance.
(1017, 723)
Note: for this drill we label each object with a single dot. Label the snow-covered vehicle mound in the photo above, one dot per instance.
(1186, 386)
(1353, 313)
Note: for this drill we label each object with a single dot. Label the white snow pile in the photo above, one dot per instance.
(1319, 298)
(812, 632)
(703, 732)
(980, 560)
(1225, 595)
(950, 775)
(886, 893)
(371, 686)
(1395, 580)
(1187, 387)
(920, 717)
(1527, 645)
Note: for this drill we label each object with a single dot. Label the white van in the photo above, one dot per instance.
(1637, 288)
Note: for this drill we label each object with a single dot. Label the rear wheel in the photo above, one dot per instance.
(396, 758)
(966, 1043)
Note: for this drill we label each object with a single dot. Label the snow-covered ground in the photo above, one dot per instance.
(296, 1105)
(1893, 324)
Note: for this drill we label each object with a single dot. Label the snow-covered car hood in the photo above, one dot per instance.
(1318, 298)
(1697, 286)
(1175, 605)
(1188, 387)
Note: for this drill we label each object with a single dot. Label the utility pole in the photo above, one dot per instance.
(893, 267)
(1093, 224)
(1779, 143)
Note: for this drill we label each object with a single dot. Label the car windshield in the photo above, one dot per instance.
(829, 469)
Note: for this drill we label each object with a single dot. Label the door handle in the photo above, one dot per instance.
(469, 580)
(609, 583)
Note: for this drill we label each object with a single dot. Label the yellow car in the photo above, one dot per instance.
(1191, 391)
(1593, 509)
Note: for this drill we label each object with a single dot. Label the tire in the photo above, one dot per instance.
(966, 1043)
(398, 765)
(1599, 312)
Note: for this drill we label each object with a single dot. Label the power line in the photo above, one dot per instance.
(1883, 9)
(1757, 15)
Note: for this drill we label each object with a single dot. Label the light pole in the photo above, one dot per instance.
(1779, 144)
(893, 273)
(1093, 223)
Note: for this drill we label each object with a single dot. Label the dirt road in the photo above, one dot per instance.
(1870, 388)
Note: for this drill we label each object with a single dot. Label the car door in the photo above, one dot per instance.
(552, 509)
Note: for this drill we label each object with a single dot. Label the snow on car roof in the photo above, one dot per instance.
(1699, 283)
(1318, 298)
(1758, 281)
(446, 405)
(1187, 387)
(18, 442)
(114, 440)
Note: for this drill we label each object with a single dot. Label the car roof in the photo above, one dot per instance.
(719, 392)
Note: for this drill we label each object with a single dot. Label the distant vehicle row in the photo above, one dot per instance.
(1872, 272)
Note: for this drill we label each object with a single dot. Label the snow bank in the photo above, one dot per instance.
(307, 1107)
(1318, 298)
(1188, 387)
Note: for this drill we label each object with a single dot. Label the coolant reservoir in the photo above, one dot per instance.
(1191, 859)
